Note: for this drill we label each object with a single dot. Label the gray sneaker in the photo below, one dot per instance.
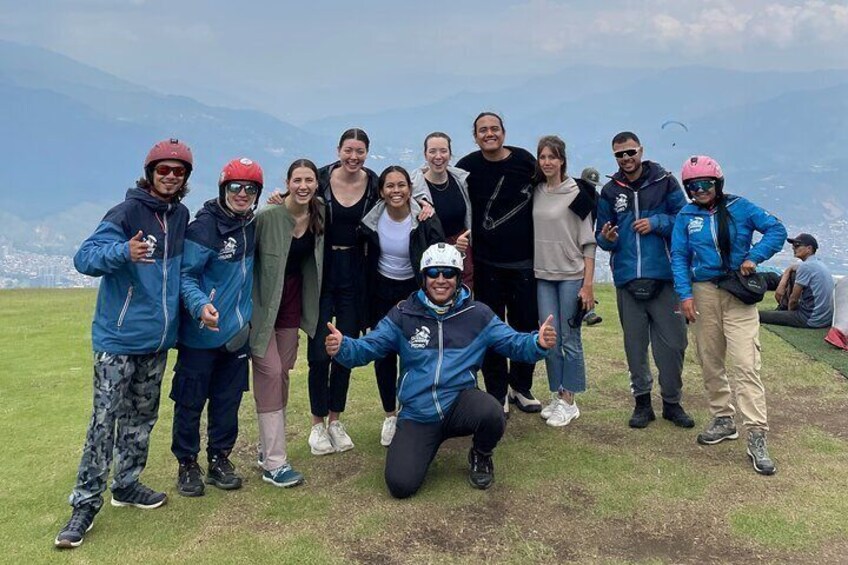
(758, 452)
(720, 429)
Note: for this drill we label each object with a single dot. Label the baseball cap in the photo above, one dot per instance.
(804, 239)
(591, 175)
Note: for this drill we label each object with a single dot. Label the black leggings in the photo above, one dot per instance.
(415, 444)
(387, 294)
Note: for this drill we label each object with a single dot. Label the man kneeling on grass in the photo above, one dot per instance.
(441, 336)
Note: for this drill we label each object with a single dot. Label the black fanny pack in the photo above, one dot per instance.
(750, 289)
(644, 289)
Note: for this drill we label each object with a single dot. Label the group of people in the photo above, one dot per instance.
(488, 265)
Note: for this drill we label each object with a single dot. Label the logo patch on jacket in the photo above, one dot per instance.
(228, 250)
(151, 242)
(696, 225)
(420, 339)
(620, 203)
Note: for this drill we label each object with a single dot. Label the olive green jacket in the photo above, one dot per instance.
(274, 227)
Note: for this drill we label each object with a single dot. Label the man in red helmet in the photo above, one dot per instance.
(217, 280)
(136, 250)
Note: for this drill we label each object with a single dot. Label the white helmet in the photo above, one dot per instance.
(441, 255)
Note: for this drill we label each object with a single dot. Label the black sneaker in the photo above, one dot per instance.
(525, 401)
(190, 479)
(592, 319)
(222, 473)
(643, 413)
(82, 519)
(674, 413)
(482, 472)
(139, 496)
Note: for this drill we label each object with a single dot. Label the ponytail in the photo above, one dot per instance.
(724, 220)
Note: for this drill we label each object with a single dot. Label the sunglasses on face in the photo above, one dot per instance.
(626, 153)
(447, 272)
(702, 185)
(165, 170)
(249, 188)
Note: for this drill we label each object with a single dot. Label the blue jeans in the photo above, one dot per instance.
(565, 365)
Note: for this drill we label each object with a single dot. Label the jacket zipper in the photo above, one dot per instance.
(638, 237)
(243, 276)
(165, 280)
(126, 306)
(400, 390)
(439, 374)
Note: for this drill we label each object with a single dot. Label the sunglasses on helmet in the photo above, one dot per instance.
(447, 272)
(626, 153)
(165, 170)
(234, 187)
(701, 185)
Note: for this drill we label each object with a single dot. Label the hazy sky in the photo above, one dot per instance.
(293, 57)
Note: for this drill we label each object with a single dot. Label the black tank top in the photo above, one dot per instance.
(300, 248)
(345, 219)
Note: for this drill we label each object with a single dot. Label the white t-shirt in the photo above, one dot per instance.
(394, 260)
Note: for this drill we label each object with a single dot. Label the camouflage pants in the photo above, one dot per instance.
(126, 406)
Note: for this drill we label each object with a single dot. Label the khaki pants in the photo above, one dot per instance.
(727, 341)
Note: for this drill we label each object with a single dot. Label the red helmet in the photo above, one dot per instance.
(168, 149)
(241, 169)
(702, 167)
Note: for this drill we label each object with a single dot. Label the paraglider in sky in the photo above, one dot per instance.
(674, 124)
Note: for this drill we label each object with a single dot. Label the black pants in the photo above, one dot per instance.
(783, 316)
(218, 376)
(511, 294)
(414, 445)
(329, 381)
(387, 294)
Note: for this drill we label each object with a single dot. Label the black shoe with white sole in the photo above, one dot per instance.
(138, 495)
(72, 535)
(525, 401)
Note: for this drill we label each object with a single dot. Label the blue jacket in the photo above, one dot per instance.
(659, 198)
(439, 354)
(695, 254)
(137, 304)
(218, 258)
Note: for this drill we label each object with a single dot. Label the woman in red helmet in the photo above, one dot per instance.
(712, 252)
(212, 366)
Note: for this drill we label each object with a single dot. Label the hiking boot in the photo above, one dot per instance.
(643, 413)
(338, 436)
(525, 401)
(758, 452)
(720, 429)
(190, 478)
(222, 473)
(592, 319)
(482, 470)
(388, 432)
(138, 495)
(549, 409)
(82, 519)
(674, 413)
(319, 441)
(563, 414)
(283, 476)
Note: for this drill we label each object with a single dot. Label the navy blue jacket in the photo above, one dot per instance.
(695, 251)
(137, 304)
(439, 354)
(218, 259)
(659, 198)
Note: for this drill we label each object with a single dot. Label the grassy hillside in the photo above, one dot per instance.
(595, 491)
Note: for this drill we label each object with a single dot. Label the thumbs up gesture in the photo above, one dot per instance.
(139, 249)
(333, 340)
(547, 333)
(462, 242)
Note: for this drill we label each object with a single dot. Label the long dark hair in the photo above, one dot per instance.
(316, 223)
(724, 220)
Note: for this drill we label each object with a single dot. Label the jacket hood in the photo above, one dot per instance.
(225, 220)
(155, 204)
(372, 217)
(418, 174)
(415, 304)
(652, 172)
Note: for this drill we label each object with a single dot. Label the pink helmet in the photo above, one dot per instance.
(168, 149)
(702, 167)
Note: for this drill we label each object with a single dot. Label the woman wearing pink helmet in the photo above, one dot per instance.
(712, 245)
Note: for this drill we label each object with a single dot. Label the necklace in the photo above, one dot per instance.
(440, 187)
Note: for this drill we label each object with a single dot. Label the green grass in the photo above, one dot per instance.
(812, 343)
(593, 492)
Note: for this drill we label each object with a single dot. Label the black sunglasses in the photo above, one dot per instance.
(447, 272)
(626, 153)
(249, 188)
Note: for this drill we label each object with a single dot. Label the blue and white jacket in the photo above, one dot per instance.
(659, 199)
(137, 304)
(695, 252)
(439, 354)
(217, 267)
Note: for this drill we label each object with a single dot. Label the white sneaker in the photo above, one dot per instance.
(338, 436)
(549, 409)
(388, 433)
(319, 441)
(563, 414)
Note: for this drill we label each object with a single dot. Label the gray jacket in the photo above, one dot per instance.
(419, 187)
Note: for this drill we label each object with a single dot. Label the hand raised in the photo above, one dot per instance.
(547, 333)
(333, 341)
(609, 232)
(139, 249)
(462, 241)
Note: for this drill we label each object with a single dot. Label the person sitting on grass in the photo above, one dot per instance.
(441, 336)
(805, 292)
